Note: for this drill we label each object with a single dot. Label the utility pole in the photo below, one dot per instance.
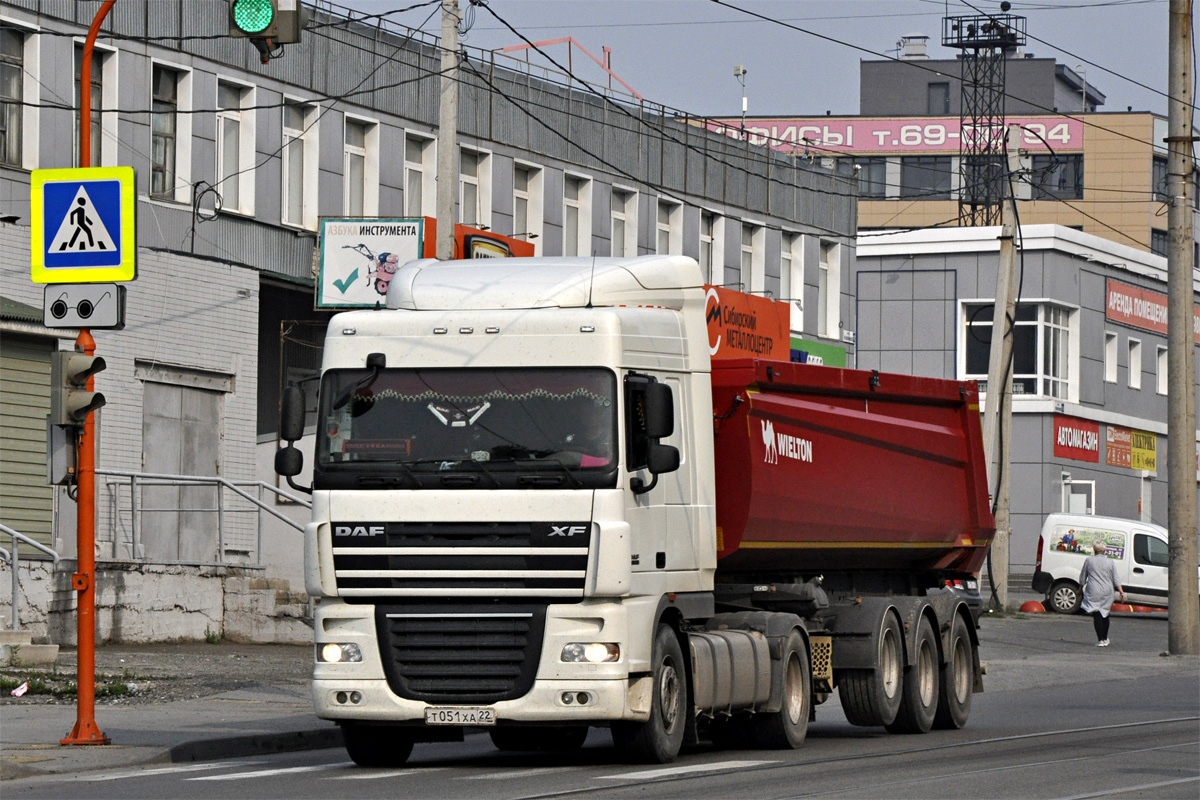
(447, 171)
(997, 421)
(1183, 625)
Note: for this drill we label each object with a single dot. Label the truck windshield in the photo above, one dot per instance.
(433, 428)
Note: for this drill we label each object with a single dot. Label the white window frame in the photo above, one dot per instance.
(628, 214)
(482, 181)
(1066, 380)
(752, 265)
(310, 148)
(534, 198)
(104, 59)
(427, 168)
(583, 208)
(1135, 363)
(672, 228)
(1110, 356)
(31, 83)
(182, 190)
(715, 274)
(829, 289)
(791, 277)
(369, 153)
(1161, 374)
(245, 116)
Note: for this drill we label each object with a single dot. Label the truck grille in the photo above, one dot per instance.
(466, 654)
(525, 560)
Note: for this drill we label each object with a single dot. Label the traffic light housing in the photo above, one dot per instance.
(70, 400)
(267, 23)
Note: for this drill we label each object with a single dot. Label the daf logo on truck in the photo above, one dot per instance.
(566, 530)
(358, 530)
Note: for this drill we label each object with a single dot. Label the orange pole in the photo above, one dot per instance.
(86, 731)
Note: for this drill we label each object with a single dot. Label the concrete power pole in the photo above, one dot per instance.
(447, 167)
(997, 421)
(1183, 627)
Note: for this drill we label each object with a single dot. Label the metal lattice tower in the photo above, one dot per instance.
(985, 41)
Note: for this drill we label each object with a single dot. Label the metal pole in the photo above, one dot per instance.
(135, 518)
(1183, 625)
(14, 561)
(447, 173)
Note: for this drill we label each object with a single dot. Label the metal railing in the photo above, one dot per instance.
(13, 557)
(250, 492)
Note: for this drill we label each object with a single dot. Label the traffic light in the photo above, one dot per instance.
(267, 23)
(70, 401)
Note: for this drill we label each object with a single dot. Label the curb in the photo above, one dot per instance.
(256, 745)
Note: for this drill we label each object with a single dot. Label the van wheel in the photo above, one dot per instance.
(658, 739)
(958, 678)
(786, 728)
(872, 696)
(919, 704)
(376, 745)
(1064, 597)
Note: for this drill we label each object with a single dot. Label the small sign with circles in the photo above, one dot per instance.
(84, 305)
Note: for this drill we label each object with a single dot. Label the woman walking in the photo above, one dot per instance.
(1099, 579)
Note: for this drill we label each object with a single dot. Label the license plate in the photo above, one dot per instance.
(460, 716)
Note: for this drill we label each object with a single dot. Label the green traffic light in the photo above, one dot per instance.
(253, 16)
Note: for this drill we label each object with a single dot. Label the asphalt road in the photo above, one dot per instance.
(1059, 718)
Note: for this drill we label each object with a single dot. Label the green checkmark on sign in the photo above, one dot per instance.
(345, 284)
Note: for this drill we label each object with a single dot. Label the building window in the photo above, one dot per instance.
(1161, 373)
(1135, 364)
(528, 205)
(623, 209)
(577, 222)
(708, 224)
(872, 177)
(474, 199)
(829, 290)
(791, 278)
(938, 99)
(299, 164)
(235, 148)
(1160, 242)
(96, 104)
(164, 132)
(752, 276)
(360, 168)
(1110, 357)
(669, 228)
(12, 83)
(1159, 180)
(419, 170)
(1057, 177)
(1043, 354)
(925, 177)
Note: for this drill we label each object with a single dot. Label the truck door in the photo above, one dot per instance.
(1147, 581)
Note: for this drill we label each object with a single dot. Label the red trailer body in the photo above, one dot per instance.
(821, 469)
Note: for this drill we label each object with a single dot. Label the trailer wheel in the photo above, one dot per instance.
(919, 704)
(954, 700)
(872, 696)
(658, 739)
(376, 745)
(785, 729)
(1064, 597)
(546, 740)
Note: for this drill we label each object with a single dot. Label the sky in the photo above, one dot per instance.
(682, 53)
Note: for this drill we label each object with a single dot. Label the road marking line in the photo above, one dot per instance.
(138, 773)
(264, 773)
(519, 773)
(372, 773)
(1125, 789)
(650, 774)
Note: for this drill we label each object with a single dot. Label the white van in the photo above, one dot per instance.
(1139, 548)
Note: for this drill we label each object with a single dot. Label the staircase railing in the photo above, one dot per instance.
(13, 557)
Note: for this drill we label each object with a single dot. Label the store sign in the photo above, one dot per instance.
(1077, 439)
(833, 135)
(1142, 309)
(1143, 451)
(746, 326)
(1117, 447)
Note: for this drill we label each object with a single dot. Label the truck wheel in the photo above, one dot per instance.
(658, 739)
(1064, 597)
(872, 696)
(919, 704)
(376, 745)
(547, 740)
(954, 699)
(786, 728)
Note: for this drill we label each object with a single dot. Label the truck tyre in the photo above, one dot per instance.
(1065, 597)
(785, 729)
(872, 696)
(954, 699)
(918, 706)
(546, 740)
(376, 745)
(658, 739)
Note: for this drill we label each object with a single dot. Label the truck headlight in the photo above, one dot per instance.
(335, 653)
(591, 652)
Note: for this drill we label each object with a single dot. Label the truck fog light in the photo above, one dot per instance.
(591, 652)
(584, 698)
(567, 698)
(334, 653)
(340, 697)
(356, 697)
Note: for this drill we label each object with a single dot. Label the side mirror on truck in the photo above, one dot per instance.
(289, 460)
(650, 415)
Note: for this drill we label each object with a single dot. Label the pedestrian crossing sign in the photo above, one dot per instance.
(83, 225)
